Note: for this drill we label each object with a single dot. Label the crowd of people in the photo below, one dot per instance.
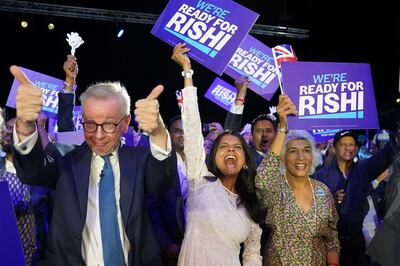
(253, 194)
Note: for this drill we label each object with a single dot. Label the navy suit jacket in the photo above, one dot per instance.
(167, 216)
(66, 104)
(69, 175)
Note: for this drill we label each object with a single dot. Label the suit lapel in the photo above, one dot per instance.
(127, 166)
(81, 174)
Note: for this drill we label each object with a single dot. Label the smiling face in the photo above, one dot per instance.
(263, 135)
(346, 149)
(229, 156)
(298, 158)
(102, 111)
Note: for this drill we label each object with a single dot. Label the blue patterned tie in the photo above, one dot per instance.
(112, 248)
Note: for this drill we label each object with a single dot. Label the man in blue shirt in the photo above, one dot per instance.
(349, 182)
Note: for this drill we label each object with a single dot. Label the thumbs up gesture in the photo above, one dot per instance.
(28, 101)
(148, 117)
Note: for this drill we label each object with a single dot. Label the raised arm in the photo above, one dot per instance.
(193, 140)
(268, 172)
(233, 120)
(285, 107)
(66, 97)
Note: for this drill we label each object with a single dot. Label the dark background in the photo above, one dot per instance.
(340, 31)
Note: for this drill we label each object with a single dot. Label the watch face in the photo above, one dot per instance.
(187, 74)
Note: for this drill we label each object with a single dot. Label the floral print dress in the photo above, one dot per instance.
(296, 238)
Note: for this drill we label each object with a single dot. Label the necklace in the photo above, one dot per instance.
(301, 210)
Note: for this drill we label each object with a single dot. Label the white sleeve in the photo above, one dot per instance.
(252, 245)
(24, 147)
(158, 152)
(236, 109)
(194, 151)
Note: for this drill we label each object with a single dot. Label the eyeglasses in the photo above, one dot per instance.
(91, 127)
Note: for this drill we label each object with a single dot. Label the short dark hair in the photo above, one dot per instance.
(268, 117)
(173, 119)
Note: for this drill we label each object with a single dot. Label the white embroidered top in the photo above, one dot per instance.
(215, 226)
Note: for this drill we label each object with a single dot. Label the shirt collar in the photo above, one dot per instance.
(98, 163)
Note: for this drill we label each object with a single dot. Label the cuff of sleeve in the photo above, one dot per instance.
(375, 184)
(159, 153)
(237, 109)
(67, 91)
(24, 147)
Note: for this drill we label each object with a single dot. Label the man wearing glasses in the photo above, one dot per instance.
(99, 216)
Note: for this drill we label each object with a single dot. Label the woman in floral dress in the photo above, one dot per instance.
(301, 211)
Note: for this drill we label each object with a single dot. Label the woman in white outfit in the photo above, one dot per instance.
(222, 207)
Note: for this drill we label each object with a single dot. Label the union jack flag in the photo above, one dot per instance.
(285, 53)
(282, 53)
(179, 98)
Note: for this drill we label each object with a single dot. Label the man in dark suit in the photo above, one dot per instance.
(167, 209)
(81, 231)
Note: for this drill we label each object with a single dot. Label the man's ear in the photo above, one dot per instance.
(126, 122)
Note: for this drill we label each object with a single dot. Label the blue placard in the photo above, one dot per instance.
(11, 252)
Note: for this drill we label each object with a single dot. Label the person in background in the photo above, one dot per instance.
(207, 148)
(375, 206)
(349, 182)
(214, 129)
(20, 196)
(263, 132)
(167, 209)
(222, 207)
(246, 133)
(385, 246)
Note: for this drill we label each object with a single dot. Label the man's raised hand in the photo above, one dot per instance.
(28, 101)
(147, 111)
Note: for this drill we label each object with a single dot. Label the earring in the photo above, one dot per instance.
(245, 167)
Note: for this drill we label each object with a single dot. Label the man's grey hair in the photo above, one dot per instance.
(105, 90)
(304, 135)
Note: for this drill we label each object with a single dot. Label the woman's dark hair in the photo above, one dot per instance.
(245, 181)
